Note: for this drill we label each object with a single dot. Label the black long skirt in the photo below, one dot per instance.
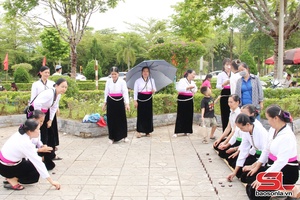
(144, 123)
(24, 171)
(116, 118)
(48, 138)
(224, 108)
(185, 114)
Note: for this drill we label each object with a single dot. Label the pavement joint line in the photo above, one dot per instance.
(205, 169)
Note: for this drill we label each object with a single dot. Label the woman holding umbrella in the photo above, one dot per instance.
(185, 104)
(144, 87)
(115, 95)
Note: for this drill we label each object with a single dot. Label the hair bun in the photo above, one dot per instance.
(252, 118)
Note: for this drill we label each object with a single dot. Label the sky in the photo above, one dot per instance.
(130, 11)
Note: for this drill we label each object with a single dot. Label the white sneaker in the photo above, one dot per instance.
(110, 141)
(126, 140)
(175, 135)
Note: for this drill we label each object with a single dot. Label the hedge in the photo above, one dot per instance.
(87, 102)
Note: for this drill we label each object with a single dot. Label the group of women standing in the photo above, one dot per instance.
(117, 101)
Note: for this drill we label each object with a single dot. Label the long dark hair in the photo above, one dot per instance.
(244, 119)
(114, 69)
(207, 77)
(29, 125)
(189, 71)
(226, 60)
(251, 108)
(275, 110)
(36, 114)
(43, 68)
(235, 98)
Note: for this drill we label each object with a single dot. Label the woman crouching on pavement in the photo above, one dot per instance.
(19, 161)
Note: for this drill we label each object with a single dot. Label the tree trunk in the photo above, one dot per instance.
(275, 55)
(73, 59)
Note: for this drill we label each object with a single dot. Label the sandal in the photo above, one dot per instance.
(204, 141)
(57, 158)
(5, 182)
(213, 138)
(15, 187)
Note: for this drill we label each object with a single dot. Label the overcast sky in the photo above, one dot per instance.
(130, 11)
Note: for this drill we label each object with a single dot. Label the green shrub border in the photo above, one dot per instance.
(87, 102)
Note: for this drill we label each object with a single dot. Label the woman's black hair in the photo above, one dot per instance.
(146, 67)
(275, 110)
(59, 81)
(114, 69)
(235, 64)
(245, 66)
(226, 60)
(244, 119)
(43, 68)
(189, 71)
(207, 77)
(29, 125)
(235, 98)
(36, 114)
(251, 108)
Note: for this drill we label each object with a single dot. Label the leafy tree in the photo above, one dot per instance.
(264, 14)
(260, 46)
(266, 17)
(152, 30)
(54, 48)
(128, 46)
(18, 38)
(193, 18)
(89, 70)
(75, 13)
(26, 66)
(183, 55)
(21, 75)
(248, 59)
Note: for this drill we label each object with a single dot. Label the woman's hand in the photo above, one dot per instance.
(45, 149)
(104, 107)
(231, 176)
(235, 154)
(223, 146)
(253, 171)
(216, 143)
(49, 123)
(135, 103)
(56, 184)
(255, 184)
(127, 107)
(231, 150)
(249, 167)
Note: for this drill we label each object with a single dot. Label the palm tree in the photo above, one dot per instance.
(128, 46)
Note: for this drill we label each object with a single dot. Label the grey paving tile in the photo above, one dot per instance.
(164, 191)
(131, 191)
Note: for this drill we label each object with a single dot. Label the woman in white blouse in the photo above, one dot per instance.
(186, 88)
(144, 88)
(254, 140)
(19, 162)
(223, 83)
(37, 87)
(116, 103)
(280, 153)
(48, 102)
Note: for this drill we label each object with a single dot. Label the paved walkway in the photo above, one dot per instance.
(148, 168)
